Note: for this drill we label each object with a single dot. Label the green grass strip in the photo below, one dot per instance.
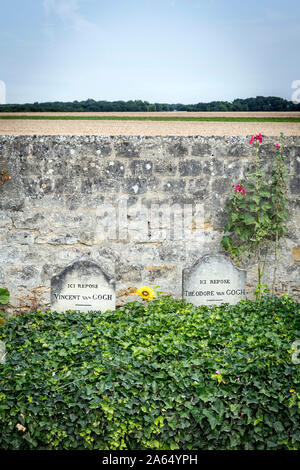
(152, 118)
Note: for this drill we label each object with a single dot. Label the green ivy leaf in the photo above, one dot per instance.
(212, 418)
(226, 243)
(249, 219)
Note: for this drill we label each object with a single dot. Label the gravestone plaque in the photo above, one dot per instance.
(83, 286)
(213, 279)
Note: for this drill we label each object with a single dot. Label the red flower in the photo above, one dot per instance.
(239, 188)
(251, 140)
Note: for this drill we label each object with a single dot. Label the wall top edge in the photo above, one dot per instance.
(149, 136)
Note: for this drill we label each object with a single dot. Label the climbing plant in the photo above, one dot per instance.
(257, 213)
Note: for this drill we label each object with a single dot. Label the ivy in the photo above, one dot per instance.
(4, 296)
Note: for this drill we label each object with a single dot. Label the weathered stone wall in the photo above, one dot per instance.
(63, 189)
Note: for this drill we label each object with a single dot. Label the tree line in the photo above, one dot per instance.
(260, 103)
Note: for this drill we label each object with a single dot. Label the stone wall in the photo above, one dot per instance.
(98, 197)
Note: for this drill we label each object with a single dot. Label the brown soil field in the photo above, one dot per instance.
(89, 127)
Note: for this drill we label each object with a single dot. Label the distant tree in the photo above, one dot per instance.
(260, 103)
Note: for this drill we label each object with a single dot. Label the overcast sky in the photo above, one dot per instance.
(171, 51)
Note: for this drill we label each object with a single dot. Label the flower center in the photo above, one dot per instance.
(145, 293)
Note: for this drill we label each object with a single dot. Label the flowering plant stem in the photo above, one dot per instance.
(280, 202)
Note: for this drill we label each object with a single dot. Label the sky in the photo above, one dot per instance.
(170, 51)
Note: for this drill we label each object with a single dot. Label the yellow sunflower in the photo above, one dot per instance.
(146, 292)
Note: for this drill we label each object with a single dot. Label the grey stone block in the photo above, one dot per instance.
(177, 149)
(135, 185)
(201, 149)
(20, 238)
(295, 185)
(165, 168)
(190, 168)
(141, 167)
(174, 186)
(126, 148)
(213, 167)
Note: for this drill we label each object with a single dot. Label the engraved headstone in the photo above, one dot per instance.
(212, 280)
(83, 286)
